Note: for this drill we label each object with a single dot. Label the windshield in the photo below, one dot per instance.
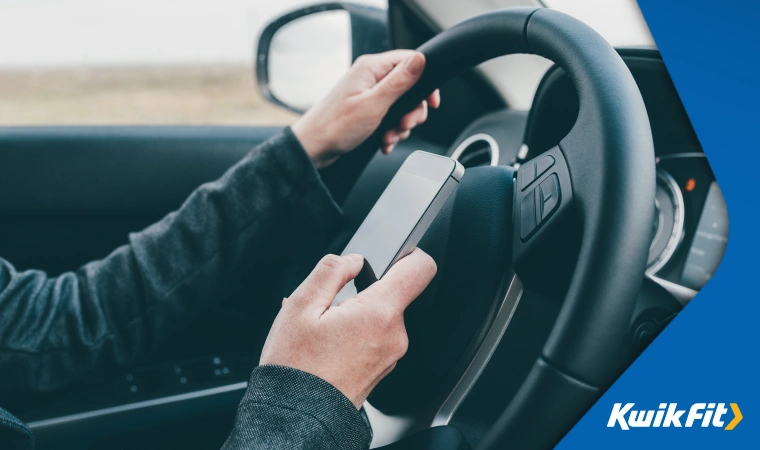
(619, 21)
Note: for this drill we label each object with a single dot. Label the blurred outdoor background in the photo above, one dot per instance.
(96, 62)
(65, 62)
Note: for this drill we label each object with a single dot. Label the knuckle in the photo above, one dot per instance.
(398, 83)
(363, 61)
(332, 262)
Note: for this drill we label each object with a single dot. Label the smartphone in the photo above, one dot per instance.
(399, 219)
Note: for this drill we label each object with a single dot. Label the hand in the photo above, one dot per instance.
(354, 108)
(355, 344)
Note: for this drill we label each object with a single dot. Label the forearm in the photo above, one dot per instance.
(111, 311)
(287, 408)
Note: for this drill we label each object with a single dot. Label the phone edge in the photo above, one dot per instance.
(430, 214)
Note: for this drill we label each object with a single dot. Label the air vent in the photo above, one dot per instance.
(477, 150)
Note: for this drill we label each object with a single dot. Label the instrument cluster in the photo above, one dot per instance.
(690, 230)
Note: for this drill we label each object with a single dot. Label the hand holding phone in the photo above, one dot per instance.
(401, 216)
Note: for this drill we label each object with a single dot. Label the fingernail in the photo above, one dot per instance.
(355, 258)
(415, 63)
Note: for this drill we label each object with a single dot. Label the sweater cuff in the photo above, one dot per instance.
(310, 395)
(299, 170)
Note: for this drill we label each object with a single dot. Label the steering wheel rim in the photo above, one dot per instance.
(605, 178)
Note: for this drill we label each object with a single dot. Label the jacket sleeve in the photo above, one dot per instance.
(54, 330)
(286, 408)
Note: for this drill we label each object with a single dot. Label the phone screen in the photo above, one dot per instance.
(394, 216)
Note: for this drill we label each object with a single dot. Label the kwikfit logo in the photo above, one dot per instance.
(668, 415)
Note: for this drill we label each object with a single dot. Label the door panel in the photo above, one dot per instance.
(69, 195)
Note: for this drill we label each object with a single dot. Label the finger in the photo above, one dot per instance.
(415, 117)
(399, 80)
(325, 281)
(391, 137)
(404, 135)
(434, 100)
(403, 282)
(381, 64)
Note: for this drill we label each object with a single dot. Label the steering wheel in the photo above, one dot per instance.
(575, 220)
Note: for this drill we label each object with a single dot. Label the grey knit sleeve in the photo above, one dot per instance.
(286, 408)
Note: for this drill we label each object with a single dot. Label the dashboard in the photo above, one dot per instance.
(690, 231)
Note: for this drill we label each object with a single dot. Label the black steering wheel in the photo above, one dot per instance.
(576, 220)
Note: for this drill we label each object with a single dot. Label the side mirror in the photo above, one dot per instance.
(302, 54)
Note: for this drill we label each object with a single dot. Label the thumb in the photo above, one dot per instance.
(321, 286)
(399, 80)
(403, 282)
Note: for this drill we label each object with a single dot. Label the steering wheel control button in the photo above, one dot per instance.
(543, 164)
(528, 215)
(526, 175)
(548, 196)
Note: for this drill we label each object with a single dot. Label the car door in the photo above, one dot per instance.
(71, 195)
(111, 113)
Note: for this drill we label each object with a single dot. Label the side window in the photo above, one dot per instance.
(103, 62)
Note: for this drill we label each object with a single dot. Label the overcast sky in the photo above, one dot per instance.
(44, 33)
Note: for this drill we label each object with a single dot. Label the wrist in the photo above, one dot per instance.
(311, 140)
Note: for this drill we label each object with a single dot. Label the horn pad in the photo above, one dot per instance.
(471, 242)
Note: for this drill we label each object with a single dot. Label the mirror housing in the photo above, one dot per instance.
(368, 34)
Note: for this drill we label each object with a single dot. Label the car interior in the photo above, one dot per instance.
(582, 227)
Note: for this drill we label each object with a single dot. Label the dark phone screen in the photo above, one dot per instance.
(396, 213)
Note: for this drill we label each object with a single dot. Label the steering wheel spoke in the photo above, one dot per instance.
(546, 226)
